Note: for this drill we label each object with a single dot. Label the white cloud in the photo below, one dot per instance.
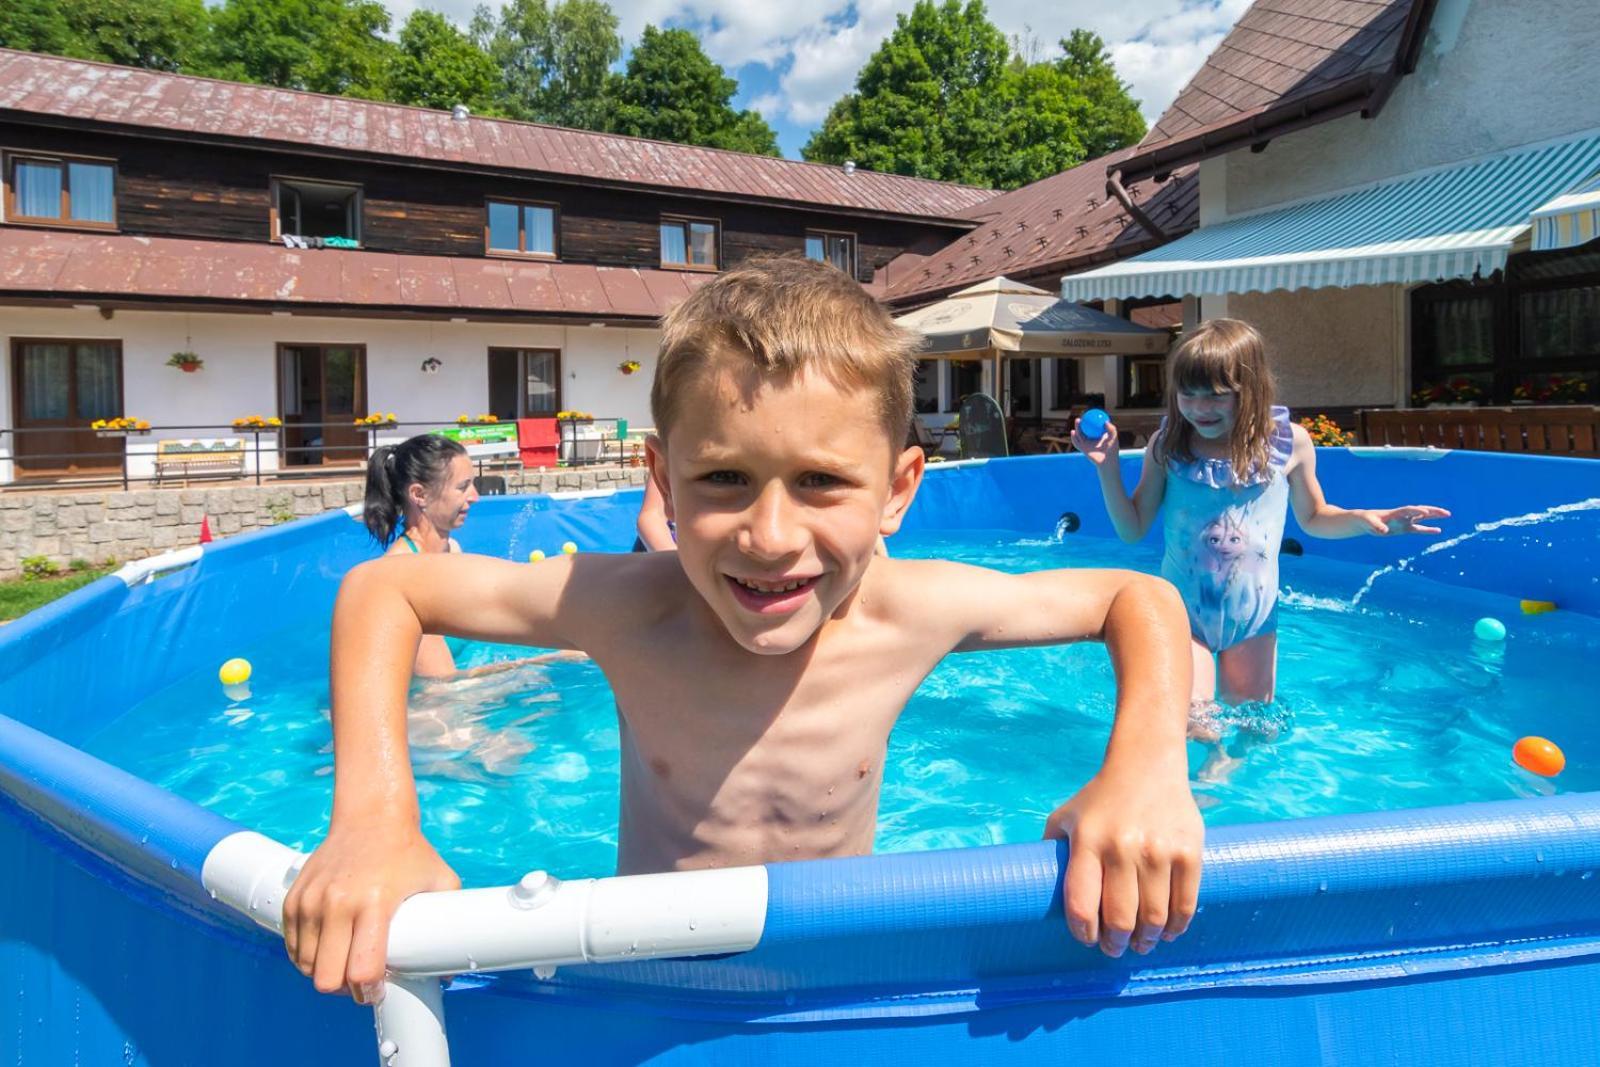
(818, 47)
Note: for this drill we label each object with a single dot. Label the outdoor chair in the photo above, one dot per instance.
(925, 439)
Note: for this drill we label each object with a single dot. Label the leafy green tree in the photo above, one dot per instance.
(1109, 118)
(155, 34)
(326, 46)
(439, 66)
(672, 91)
(554, 62)
(945, 97)
(36, 26)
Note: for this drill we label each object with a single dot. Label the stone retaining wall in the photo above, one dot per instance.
(104, 527)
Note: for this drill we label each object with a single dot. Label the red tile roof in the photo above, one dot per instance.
(1057, 225)
(117, 269)
(1299, 61)
(201, 107)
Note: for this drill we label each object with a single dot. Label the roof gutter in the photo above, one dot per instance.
(1306, 111)
(1114, 189)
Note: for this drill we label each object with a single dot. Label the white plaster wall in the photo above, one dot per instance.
(1330, 347)
(240, 373)
(1493, 75)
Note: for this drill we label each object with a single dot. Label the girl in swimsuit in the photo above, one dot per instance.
(1222, 471)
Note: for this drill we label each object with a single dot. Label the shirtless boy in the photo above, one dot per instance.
(759, 669)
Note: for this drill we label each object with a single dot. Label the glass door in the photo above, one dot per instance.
(322, 390)
(61, 387)
(524, 383)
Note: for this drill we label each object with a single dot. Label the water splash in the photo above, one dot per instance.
(515, 549)
(1530, 519)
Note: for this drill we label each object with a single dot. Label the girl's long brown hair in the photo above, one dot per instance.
(1222, 355)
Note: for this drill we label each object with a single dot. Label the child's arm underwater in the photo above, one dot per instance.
(1131, 516)
(1319, 518)
(336, 915)
(1136, 834)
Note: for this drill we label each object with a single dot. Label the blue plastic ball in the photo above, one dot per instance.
(1092, 424)
(1487, 629)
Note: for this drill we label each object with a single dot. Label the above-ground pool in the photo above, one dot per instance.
(1382, 884)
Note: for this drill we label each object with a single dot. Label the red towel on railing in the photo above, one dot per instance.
(537, 441)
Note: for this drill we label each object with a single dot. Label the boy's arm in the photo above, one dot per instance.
(1319, 518)
(1136, 834)
(336, 915)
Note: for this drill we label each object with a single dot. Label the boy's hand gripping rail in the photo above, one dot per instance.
(539, 923)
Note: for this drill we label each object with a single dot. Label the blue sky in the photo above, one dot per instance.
(793, 58)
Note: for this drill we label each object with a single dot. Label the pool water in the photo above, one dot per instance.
(1386, 704)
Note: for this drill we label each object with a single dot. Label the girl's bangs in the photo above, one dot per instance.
(1199, 368)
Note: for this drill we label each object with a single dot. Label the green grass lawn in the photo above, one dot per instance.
(18, 596)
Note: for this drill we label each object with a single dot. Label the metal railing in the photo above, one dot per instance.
(201, 453)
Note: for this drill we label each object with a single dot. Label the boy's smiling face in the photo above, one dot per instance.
(780, 489)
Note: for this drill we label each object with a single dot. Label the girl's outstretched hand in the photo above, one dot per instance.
(1404, 520)
(1097, 451)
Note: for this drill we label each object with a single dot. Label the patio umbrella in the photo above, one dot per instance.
(1000, 318)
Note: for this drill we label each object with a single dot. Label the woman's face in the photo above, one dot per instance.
(452, 496)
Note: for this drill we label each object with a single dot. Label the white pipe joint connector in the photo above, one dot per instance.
(540, 922)
(544, 922)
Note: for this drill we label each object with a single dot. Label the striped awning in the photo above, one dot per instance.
(1452, 222)
(1569, 220)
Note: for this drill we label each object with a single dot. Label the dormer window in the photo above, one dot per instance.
(314, 209)
(61, 191)
(520, 228)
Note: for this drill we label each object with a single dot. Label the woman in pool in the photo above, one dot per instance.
(418, 491)
(1223, 469)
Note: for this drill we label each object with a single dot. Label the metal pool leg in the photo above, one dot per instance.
(410, 1024)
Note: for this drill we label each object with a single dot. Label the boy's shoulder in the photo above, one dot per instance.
(910, 589)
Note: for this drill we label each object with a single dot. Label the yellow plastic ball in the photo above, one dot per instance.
(536, 555)
(234, 672)
(570, 549)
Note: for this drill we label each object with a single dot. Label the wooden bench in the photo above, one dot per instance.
(1554, 430)
(185, 458)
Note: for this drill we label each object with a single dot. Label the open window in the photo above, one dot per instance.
(61, 191)
(314, 209)
(836, 248)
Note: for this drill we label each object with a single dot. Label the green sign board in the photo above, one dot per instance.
(483, 438)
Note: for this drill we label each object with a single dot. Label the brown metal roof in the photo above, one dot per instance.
(99, 92)
(120, 269)
(1286, 63)
(1061, 223)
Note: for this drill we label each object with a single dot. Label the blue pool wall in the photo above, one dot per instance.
(1447, 936)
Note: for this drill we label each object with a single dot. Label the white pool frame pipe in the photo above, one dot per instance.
(540, 923)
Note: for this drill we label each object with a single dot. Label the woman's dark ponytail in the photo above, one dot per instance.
(424, 459)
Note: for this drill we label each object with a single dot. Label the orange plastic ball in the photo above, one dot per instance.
(1539, 756)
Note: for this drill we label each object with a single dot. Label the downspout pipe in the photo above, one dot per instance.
(1115, 190)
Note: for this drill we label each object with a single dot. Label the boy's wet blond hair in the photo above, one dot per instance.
(782, 315)
(1222, 355)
